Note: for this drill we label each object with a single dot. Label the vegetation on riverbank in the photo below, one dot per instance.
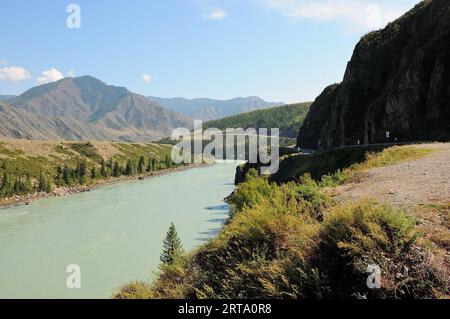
(292, 240)
(336, 166)
(387, 157)
(28, 167)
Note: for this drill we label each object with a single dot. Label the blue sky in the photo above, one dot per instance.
(280, 50)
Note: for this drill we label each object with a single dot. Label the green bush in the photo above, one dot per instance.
(354, 236)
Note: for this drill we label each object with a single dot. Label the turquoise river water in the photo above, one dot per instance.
(113, 233)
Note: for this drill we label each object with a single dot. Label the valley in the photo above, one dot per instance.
(357, 205)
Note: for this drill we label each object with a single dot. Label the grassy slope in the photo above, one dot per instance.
(293, 241)
(288, 118)
(349, 160)
(21, 158)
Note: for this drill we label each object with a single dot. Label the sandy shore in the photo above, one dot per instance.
(17, 200)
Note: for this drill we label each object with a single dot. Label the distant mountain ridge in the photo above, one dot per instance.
(210, 109)
(85, 108)
(6, 97)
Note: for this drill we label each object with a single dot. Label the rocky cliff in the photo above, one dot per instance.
(398, 80)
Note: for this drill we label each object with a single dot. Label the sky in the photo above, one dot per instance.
(279, 50)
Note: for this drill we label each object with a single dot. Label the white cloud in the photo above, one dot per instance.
(49, 76)
(14, 73)
(362, 14)
(217, 15)
(71, 73)
(147, 78)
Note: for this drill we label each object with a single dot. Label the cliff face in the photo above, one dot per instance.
(398, 80)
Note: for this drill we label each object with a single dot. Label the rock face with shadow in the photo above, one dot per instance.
(398, 80)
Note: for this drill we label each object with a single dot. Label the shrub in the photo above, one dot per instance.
(135, 290)
(354, 236)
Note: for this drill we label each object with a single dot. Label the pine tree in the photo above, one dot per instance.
(94, 174)
(103, 172)
(172, 248)
(82, 172)
(141, 165)
(66, 175)
(149, 165)
(5, 186)
(116, 170)
(6, 183)
(42, 183)
(129, 168)
(168, 162)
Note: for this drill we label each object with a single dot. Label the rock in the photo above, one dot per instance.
(397, 81)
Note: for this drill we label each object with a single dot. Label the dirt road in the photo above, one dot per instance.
(409, 184)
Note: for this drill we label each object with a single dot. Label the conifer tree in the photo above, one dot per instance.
(116, 170)
(103, 172)
(129, 168)
(141, 165)
(82, 172)
(43, 184)
(149, 165)
(94, 174)
(172, 248)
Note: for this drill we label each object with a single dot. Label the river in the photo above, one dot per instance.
(113, 233)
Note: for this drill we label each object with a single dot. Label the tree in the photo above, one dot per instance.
(116, 170)
(149, 165)
(82, 170)
(6, 182)
(44, 185)
(103, 172)
(168, 162)
(129, 168)
(172, 248)
(94, 174)
(141, 165)
(155, 164)
(67, 175)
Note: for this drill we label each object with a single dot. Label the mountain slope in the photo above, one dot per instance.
(288, 118)
(6, 97)
(210, 109)
(17, 123)
(398, 80)
(86, 108)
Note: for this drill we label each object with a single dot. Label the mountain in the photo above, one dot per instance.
(209, 109)
(398, 80)
(288, 118)
(17, 123)
(6, 97)
(85, 108)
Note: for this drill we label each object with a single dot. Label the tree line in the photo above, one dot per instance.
(81, 174)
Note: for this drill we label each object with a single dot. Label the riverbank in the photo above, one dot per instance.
(26, 199)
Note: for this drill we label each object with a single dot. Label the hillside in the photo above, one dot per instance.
(25, 163)
(210, 109)
(397, 80)
(6, 97)
(288, 118)
(85, 108)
